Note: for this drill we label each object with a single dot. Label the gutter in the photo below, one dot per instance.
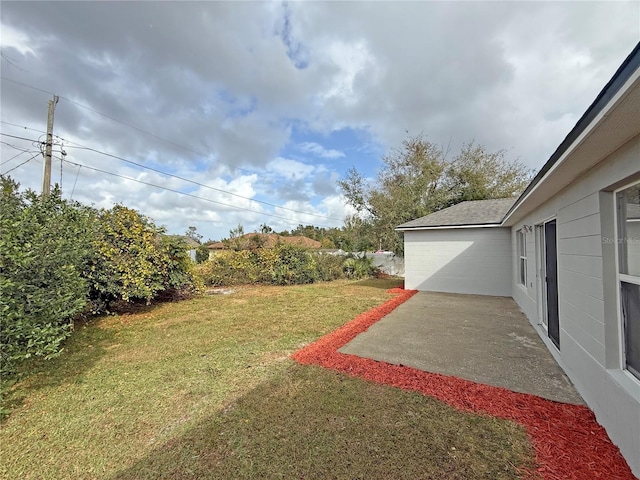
(448, 227)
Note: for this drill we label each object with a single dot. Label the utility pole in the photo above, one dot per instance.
(46, 174)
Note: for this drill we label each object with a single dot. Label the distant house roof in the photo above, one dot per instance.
(190, 242)
(216, 246)
(472, 213)
(301, 241)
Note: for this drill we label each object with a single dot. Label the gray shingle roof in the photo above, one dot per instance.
(476, 212)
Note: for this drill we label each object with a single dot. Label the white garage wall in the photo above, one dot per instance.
(463, 260)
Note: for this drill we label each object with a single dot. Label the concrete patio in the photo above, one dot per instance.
(479, 338)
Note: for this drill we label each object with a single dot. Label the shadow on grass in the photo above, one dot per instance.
(312, 423)
(383, 283)
(80, 352)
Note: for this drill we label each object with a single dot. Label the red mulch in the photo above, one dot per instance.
(568, 442)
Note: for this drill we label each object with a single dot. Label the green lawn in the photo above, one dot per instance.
(204, 389)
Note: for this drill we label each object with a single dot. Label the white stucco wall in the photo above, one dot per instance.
(465, 260)
(590, 345)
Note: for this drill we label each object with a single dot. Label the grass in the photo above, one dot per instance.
(204, 389)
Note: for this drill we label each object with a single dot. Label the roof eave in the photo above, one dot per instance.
(445, 227)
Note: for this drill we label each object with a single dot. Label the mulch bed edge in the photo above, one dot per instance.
(568, 441)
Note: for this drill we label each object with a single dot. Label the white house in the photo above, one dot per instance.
(567, 251)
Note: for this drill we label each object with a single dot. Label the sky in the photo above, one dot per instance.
(219, 114)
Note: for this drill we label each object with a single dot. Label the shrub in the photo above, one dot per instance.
(180, 279)
(293, 266)
(202, 254)
(59, 259)
(45, 245)
(134, 261)
(228, 268)
(284, 264)
(330, 267)
(359, 266)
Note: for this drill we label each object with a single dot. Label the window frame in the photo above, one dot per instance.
(521, 256)
(621, 258)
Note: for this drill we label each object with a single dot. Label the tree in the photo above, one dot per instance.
(264, 228)
(358, 235)
(417, 179)
(235, 234)
(407, 187)
(476, 174)
(192, 233)
(309, 231)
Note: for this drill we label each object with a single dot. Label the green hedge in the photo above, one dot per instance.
(133, 261)
(282, 265)
(60, 259)
(45, 246)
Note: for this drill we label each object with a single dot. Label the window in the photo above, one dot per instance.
(521, 246)
(628, 244)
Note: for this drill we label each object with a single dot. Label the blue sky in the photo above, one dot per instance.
(260, 107)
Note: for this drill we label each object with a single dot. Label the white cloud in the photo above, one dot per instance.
(290, 169)
(329, 213)
(223, 88)
(14, 38)
(351, 60)
(319, 151)
(336, 206)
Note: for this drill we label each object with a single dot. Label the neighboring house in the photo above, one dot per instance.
(215, 248)
(568, 252)
(191, 245)
(301, 241)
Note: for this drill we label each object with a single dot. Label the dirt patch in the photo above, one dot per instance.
(220, 291)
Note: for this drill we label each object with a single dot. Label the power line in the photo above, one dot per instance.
(100, 152)
(20, 138)
(13, 146)
(196, 183)
(159, 138)
(11, 61)
(25, 85)
(77, 145)
(15, 156)
(76, 180)
(23, 150)
(129, 125)
(170, 142)
(19, 165)
(22, 126)
(182, 193)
